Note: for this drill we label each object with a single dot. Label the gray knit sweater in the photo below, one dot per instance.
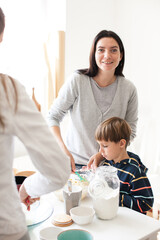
(76, 96)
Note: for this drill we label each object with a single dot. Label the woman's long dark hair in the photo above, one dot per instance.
(2, 21)
(2, 76)
(3, 80)
(93, 68)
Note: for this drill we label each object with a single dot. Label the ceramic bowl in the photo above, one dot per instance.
(82, 215)
(49, 233)
(75, 234)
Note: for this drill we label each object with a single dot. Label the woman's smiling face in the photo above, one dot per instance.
(107, 54)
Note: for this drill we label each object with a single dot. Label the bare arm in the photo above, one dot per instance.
(57, 132)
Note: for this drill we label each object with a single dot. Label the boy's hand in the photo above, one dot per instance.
(94, 161)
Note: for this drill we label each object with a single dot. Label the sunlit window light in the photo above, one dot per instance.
(29, 23)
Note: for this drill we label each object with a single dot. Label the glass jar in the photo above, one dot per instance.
(104, 190)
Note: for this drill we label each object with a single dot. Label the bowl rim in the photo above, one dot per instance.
(75, 188)
(75, 229)
(84, 207)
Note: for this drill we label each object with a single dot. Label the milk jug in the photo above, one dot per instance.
(104, 189)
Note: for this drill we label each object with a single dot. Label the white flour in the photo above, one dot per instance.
(106, 208)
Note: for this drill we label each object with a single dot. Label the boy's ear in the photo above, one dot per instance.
(122, 143)
(1, 37)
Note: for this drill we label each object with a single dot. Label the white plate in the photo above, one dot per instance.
(49, 233)
(38, 214)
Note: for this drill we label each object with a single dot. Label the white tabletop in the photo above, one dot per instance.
(127, 225)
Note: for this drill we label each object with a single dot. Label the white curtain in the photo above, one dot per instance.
(146, 144)
(54, 49)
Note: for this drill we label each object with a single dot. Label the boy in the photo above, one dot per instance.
(113, 136)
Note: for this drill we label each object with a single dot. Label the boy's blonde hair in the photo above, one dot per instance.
(113, 129)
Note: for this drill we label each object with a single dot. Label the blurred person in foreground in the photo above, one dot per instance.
(19, 117)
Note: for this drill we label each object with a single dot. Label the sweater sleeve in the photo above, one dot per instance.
(132, 112)
(140, 195)
(52, 164)
(65, 100)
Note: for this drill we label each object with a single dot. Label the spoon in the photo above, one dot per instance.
(69, 186)
(81, 178)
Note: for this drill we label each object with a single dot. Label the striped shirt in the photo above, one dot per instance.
(135, 189)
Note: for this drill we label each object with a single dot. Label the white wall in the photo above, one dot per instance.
(137, 23)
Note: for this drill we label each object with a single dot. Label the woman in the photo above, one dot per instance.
(93, 95)
(19, 117)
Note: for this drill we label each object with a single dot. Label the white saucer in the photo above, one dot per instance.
(49, 233)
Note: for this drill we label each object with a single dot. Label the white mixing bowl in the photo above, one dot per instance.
(82, 215)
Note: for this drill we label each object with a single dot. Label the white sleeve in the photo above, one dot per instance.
(31, 128)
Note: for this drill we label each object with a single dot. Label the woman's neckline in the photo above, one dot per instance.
(102, 82)
(98, 83)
